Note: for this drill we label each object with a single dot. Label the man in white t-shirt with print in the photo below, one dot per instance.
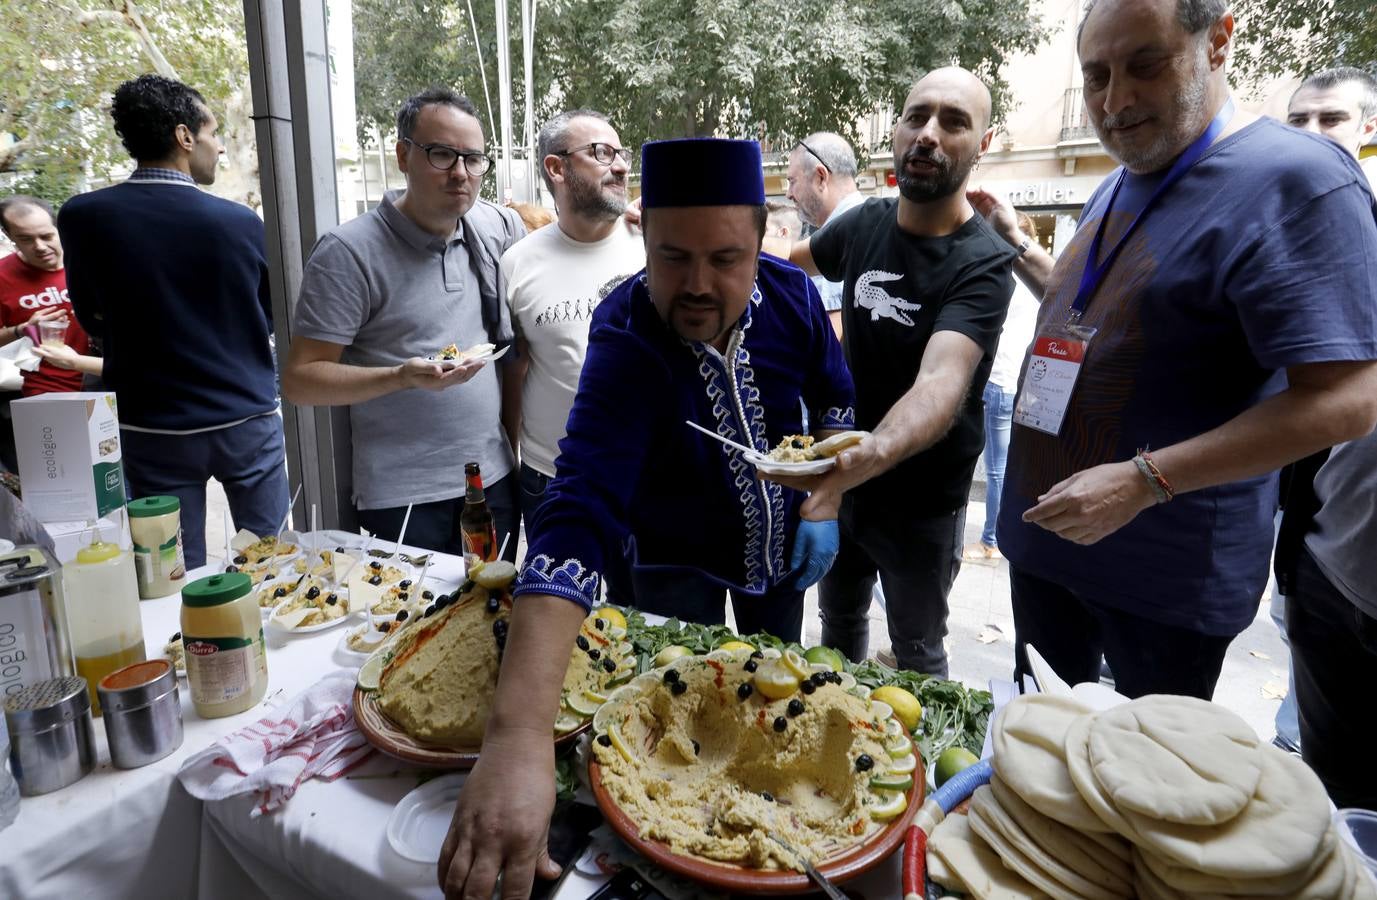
(555, 279)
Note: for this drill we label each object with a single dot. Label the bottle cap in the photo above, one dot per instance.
(146, 507)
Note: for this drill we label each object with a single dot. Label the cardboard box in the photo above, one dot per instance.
(69, 455)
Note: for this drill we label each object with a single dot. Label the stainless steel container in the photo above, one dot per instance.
(142, 712)
(35, 644)
(52, 737)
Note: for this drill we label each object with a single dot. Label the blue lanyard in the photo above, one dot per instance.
(1093, 273)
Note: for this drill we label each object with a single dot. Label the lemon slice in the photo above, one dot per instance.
(612, 616)
(619, 744)
(670, 654)
(582, 705)
(888, 805)
(903, 765)
(371, 673)
(899, 745)
(737, 645)
(775, 681)
(797, 664)
(770, 653)
(495, 575)
(567, 723)
(894, 728)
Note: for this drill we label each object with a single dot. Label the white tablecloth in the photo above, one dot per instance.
(138, 834)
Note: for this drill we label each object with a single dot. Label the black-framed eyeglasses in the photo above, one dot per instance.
(815, 156)
(445, 157)
(603, 153)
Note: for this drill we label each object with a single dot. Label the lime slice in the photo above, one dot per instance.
(770, 653)
(775, 681)
(580, 704)
(899, 745)
(616, 632)
(567, 723)
(619, 743)
(626, 650)
(894, 728)
(670, 654)
(848, 681)
(903, 765)
(370, 675)
(621, 676)
(891, 782)
(826, 656)
(888, 805)
(495, 575)
(797, 664)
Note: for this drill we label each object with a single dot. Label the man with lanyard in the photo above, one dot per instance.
(712, 333)
(1214, 318)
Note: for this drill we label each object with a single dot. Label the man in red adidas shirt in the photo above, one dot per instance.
(33, 288)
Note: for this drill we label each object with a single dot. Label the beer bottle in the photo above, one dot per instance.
(475, 522)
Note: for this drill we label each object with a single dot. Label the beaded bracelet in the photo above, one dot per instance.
(1161, 488)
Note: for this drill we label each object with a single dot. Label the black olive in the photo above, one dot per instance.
(808, 687)
(340, 550)
(605, 740)
(834, 677)
(493, 603)
(402, 614)
(594, 653)
(404, 583)
(240, 560)
(795, 707)
(231, 568)
(582, 642)
(818, 679)
(375, 580)
(384, 627)
(671, 676)
(769, 797)
(599, 624)
(312, 593)
(280, 592)
(332, 599)
(609, 664)
(403, 595)
(375, 566)
(678, 688)
(466, 587)
(751, 665)
(757, 655)
(696, 747)
(430, 611)
(428, 595)
(175, 637)
(499, 627)
(864, 763)
(796, 444)
(781, 723)
(744, 690)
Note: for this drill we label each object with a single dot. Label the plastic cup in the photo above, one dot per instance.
(1358, 829)
(53, 333)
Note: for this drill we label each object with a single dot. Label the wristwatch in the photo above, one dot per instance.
(1023, 246)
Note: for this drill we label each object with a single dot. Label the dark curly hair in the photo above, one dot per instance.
(147, 111)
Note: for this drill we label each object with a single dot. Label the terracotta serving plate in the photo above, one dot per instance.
(384, 734)
(739, 880)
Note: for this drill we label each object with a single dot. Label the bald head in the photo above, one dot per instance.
(963, 89)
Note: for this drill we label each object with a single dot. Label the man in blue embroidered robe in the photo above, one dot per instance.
(711, 332)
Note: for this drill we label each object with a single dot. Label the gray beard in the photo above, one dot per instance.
(587, 199)
(1187, 108)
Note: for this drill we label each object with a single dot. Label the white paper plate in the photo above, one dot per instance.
(421, 820)
(769, 466)
(456, 363)
(359, 656)
(309, 629)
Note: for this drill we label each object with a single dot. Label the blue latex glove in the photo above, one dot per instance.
(815, 547)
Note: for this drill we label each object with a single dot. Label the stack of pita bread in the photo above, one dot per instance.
(1160, 798)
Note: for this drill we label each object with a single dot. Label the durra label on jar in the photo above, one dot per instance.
(221, 670)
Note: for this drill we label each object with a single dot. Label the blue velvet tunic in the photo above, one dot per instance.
(632, 478)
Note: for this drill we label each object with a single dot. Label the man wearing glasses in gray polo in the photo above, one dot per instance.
(822, 184)
(383, 292)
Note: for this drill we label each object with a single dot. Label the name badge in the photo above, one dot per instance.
(1050, 377)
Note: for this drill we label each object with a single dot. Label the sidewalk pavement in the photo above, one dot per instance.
(981, 625)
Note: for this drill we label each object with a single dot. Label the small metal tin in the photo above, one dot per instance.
(142, 712)
(52, 737)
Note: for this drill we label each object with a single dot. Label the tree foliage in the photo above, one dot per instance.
(1301, 37)
(769, 69)
(64, 58)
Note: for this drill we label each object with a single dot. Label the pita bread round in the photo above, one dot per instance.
(1028, 737)
(978, 868)
(1078, 766)
(1279, 832)
(1149, 886)
(1084, 857)
(1201, 884)
(1177, 759)
(986, 809)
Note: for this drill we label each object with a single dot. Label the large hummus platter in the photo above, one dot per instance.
(727, 767)
(425, 695)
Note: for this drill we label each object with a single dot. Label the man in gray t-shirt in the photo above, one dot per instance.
(383, 292)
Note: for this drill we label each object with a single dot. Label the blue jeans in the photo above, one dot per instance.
(999, 415)
(248, 459)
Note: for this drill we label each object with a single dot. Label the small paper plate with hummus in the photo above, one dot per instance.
(310, 608)
(452, 357)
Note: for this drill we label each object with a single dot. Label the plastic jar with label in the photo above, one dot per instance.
(222, 634)
(155, 524)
